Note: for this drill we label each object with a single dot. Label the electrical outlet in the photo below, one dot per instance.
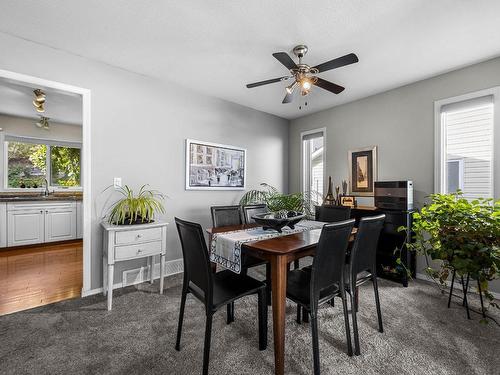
(117, 182)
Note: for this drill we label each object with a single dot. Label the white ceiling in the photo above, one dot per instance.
(16, 99)
(216, 47)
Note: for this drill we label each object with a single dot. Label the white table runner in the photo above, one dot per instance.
(225, 248)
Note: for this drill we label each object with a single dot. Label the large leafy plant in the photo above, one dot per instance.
(464, 235)
(133, 209)
(276, 201)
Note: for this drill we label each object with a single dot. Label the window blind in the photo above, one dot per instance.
(468, 131)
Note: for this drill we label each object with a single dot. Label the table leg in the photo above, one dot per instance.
(151, 268)
(110, 285)
(104, 276)
(162, 270)
(279, 268)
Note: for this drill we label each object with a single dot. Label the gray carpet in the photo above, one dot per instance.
(74, 337)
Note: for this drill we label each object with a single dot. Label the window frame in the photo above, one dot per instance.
(49, 143)
(303, 156)
(440, 183)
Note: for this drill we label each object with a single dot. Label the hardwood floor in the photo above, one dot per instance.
(32, 276)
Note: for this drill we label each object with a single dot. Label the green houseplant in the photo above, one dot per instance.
(463, 235)
(276, 201)
(136, 209)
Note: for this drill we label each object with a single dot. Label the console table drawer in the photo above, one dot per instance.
(139, 235)
(137, 251)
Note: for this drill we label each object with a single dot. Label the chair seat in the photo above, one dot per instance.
(229, 286)
(298, 288)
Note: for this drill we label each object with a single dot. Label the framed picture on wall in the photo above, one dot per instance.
(212, 166)
(362, 171)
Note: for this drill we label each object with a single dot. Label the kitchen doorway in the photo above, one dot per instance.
(45, 192)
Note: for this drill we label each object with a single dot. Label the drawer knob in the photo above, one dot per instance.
(139, 236)
(139, 251)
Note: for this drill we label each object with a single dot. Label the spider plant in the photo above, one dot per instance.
(134, 209)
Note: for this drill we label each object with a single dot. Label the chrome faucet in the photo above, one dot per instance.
(46, 192)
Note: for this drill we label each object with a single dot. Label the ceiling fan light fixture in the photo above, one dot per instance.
(289, 89)
(43, 123)
(306, 84)
(39, 100)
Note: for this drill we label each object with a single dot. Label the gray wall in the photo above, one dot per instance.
(400, 122)
(139, 126)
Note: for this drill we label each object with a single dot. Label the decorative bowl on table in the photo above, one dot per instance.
(278, 220)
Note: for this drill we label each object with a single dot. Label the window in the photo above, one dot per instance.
(29, 162)
(313, 152)
(466, 147)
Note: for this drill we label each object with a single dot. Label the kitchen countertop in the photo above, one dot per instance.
(36, 198)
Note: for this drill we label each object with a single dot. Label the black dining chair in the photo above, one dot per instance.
(254, 209)
(223, 216)
(332, 214)
(214, 290)
(362, 267)
(312, 289)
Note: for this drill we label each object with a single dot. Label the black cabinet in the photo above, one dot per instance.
(391, 240)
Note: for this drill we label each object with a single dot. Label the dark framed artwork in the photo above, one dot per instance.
(212, 166)
(362, 171)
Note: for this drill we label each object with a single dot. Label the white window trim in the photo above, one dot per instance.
(302, 156)
(50, 142)
(440, 136)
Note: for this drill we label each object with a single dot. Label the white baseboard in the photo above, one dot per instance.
(423, 276)
(141, 274)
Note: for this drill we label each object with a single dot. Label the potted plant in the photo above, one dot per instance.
(136, 209)
(276, 201)
(462, 235)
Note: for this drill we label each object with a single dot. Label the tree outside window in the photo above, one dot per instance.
(27, 165)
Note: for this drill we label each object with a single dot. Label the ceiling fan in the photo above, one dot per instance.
(304, 75)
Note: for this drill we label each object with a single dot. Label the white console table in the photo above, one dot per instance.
(126, 242)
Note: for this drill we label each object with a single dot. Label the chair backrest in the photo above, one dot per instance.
(329, 261)
(332, 214)
(364, 251)
(254, 209)
(196, 260)
(223, 216)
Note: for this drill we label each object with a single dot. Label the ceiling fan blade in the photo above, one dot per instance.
(288, 98)
(261, 83)
(285, 59)
(338, 62)
(329, 86)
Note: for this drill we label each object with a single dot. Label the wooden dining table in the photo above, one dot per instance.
(279, 252)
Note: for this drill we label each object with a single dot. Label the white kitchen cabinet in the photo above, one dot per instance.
(25, 226)
(60, 223)
(39, 222)
(3, 224)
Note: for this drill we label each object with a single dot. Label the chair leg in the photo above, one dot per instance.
(206, 348)
(355, 323)
(346, 321)
(451, 287)
(181, 318)
(268, 283)
(356, 297)
(377, 303)
(230, 312)
(299, 315)
(315, 343)
(262, 319)
(305, 315)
